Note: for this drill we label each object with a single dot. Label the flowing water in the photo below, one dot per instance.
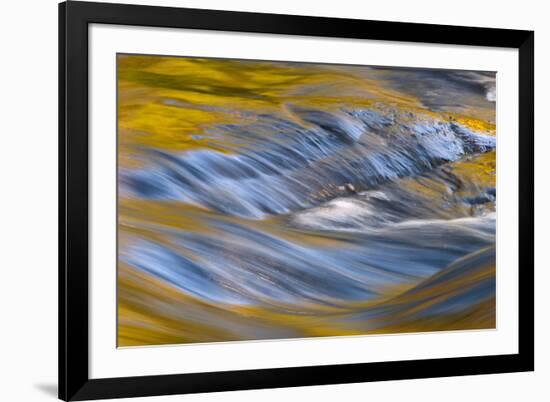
(264, 200)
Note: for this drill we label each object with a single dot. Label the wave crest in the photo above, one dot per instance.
(284, 165)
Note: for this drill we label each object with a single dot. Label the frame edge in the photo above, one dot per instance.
(62, 366)
(73, 200)
(526, 261)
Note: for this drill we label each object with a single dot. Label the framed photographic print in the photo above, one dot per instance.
(257, 200)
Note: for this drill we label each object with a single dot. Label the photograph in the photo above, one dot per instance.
(272, 199)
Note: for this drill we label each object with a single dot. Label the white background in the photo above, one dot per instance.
(28, 214)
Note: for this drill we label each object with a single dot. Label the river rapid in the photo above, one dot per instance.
(268, 200)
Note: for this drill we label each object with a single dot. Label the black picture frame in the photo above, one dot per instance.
(74, 381)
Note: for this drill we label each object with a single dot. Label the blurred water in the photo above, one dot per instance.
(275, 200)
